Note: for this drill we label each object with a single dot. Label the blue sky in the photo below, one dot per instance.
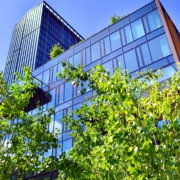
(86, 16)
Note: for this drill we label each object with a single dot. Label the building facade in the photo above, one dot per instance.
(33, 37)
(146, 38)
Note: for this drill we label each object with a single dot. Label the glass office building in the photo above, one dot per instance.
(33, 37)
(146, 38)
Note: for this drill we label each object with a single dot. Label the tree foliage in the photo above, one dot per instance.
(55, 51)
(23, 138)
(122, 139)
(115, 18)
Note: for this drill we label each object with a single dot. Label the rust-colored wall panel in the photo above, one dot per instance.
(170, 32)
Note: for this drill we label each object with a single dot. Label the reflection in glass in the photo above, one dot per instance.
(95, 51)
(102, 48)
(107, 45)
(67, 145)
(159, 47)
(108, 66)
(123, 37)
(145, 24)
(77, 59)
(57, 122)
(154, 20)
(120, 60)
(137, 29)
(61, 94)
(139, 56)
(128, 34)
(68, 91)
(54, 72)
(115, 41)
(146, 54)
(53, 95)
(131, 60)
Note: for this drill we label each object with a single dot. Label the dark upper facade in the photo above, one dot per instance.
(33, 37)
(147, 38)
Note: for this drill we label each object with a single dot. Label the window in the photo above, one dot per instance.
(138, 51)
(77, 59)
(154, 20)
(108, 67)
(102, 47)
(120, 60)
(53, 95)
(95, 51)
(159, 47)
(137, 29)
(67, 145)
(115, 41)
(145, 24)
(128, 34)
(131, 60)
(57, 122)
(123, 37)
(146, 54)
(68, 91)
(88, 56)
(61, 94)
(54, 72)
(45, 78)
(107, 45)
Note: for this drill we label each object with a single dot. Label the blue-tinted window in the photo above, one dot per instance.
(61, 94)
(146, 54)
(115, 40)
(137, 29)
(67, 145)
(70, 60)
(159, 47)
(123, 37)
(120, 60)
(53, 95)
(102, 47)
(128, 34)
(95, 51)
(108, 67)
(145, 24)
(77, 59)
(54, 72)
(88, 56)
(46, 78)
(57, 122)
(138, 51)
(68, 91)
(131, 60)
(154, 20)
(168, 72)
(107, 45)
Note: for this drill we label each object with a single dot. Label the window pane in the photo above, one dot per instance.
(115, 41)
(128, 34)
(107, 45)
(137, 29)
(145, 24)
(146, 54)
(68, 91)
(95, 51)
(102, 48)
(120, 60)
(108, 67)
(131, 60)
(139, 56)
(46, 78)
(70, 60)
(77, 59)
(53, 95)
(54, 73)
(159, 47)
(57, 122)
(67, 145)
(154, 20)
(123, 37)
(61, 93)
(88, 56)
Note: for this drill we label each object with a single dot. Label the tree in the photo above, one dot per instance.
(122, 137)
(55, 51)
(115, 19)
(23, 138)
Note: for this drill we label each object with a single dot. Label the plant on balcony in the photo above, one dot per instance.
(55, 51)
